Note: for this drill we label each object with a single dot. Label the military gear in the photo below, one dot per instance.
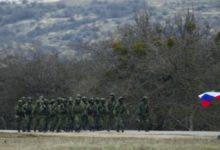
(143, 115)
(78, 113)
(20, 115)
(111, 104)
(120, 112)
(28, 114)
(92, 112)
(85, 119)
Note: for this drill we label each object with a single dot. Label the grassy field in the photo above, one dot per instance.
(104, 141)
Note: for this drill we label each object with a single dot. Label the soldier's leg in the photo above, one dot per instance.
(146, 125)
(108, 123)
(113, 122)
(84, 122)
(91, 122)
(71, 125)
(42, 123)
(64, 123)
(96, 122)
(142, 124)
(59, 123)
(50, 124)
(101, 123)
(46, 122)
(54, 123)
(76, 120)
(117, 123)
(34, 124)
(122, 125)
(18, 124)
(23, 124)
(29, 121)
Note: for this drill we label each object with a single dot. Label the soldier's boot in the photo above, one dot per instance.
(77, 128)
(146, 126)
(118, 127)
(18, 125)
(29, 125)
(19, 128)
(28, 128)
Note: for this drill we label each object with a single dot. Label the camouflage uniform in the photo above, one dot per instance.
(28, 114)
(52, 115)
(70, 115)
(78, 113)
(36, 115)
(102, 111)
(61, 111)
(44, 115)
(143, 115)
(85, 119)
(97, 115)
(120, 112)
(91, 111)
(110, 114)
(20, 115)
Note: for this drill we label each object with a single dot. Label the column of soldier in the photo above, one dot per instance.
(76, 114)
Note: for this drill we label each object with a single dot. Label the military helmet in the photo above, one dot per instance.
(145, 97)
(52, 101)
(112, 94)
(91, 100)
(78, 95)
(23, 98)
(121, 98)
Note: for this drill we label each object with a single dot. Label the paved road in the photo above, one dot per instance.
(133, 133)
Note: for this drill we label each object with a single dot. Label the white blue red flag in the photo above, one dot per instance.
(207, 98)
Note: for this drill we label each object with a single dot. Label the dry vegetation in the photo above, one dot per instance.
(15, 141)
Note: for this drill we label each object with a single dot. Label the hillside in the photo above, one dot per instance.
(64, 26)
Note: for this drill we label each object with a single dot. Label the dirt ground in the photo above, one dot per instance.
(101, 140)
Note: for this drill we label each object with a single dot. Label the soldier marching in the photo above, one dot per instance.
(77, 113)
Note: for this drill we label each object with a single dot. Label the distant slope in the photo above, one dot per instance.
(63, 25)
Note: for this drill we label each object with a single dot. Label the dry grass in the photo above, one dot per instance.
(104, 141)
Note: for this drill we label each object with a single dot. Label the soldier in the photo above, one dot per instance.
(36, 114)
(69, 113)
(91, 111)
(46, 115)
(97, 113)
(60, 109)
(78, 112)
(110, 115)
(85, 120)
(102, 109)
(43, 114)
(143, 115)
(19, 110)
(65, 114)
(52, 115)
(120, 112)
(28, 113)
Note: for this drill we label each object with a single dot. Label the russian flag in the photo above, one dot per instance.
(207, 98)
